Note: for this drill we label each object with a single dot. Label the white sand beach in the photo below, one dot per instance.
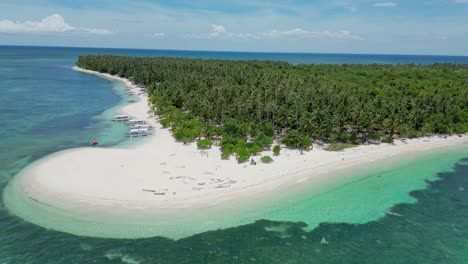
(162, 174)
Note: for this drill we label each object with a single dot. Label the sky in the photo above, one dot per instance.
(431, 27)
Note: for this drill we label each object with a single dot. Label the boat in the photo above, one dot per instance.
(120, 118)
(136, 122)
(142, 126)
(94, 142)
(139, 132)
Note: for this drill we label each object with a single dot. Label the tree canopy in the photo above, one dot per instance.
(332, 103)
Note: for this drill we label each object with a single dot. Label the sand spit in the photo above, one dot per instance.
(162, 175)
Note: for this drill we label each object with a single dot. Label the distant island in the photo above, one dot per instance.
(250, 103)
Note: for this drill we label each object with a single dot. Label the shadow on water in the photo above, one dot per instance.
(433, 230)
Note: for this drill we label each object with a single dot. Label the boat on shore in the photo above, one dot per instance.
(136, 122)
(137, 127)
(139, 132)
(121, 118)
(143, 126)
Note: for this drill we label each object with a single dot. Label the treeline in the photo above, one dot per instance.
(332, 103)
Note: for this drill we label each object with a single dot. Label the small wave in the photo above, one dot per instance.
(393, 213)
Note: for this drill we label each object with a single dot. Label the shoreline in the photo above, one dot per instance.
(128, 180)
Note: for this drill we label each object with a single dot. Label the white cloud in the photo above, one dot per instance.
(51, 24)
(220, 32)
(299, 33)
(392, 4)
(157, 35)
(217, 30)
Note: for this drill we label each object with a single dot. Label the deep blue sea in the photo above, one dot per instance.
(45, 106)
(293, 58)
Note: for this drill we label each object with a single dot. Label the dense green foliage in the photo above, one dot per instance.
(204, 144)
(261, 99)
(232, 144)
(294, 139)
(387, 139)
(243, 155)
(184, 126)
(266, 159)
(276, 150)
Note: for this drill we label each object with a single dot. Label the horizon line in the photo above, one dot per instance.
(232, 51)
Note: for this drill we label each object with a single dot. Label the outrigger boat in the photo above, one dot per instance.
(136, 122)
(142, 127)
(139, 132)
(120, 118)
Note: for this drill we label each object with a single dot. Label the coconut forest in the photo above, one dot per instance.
(245, 106)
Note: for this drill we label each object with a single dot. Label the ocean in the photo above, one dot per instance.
(410, 212)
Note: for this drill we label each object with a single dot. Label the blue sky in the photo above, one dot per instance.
(333, 26)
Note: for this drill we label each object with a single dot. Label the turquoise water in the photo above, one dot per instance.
(379, 186)
(45, 107)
